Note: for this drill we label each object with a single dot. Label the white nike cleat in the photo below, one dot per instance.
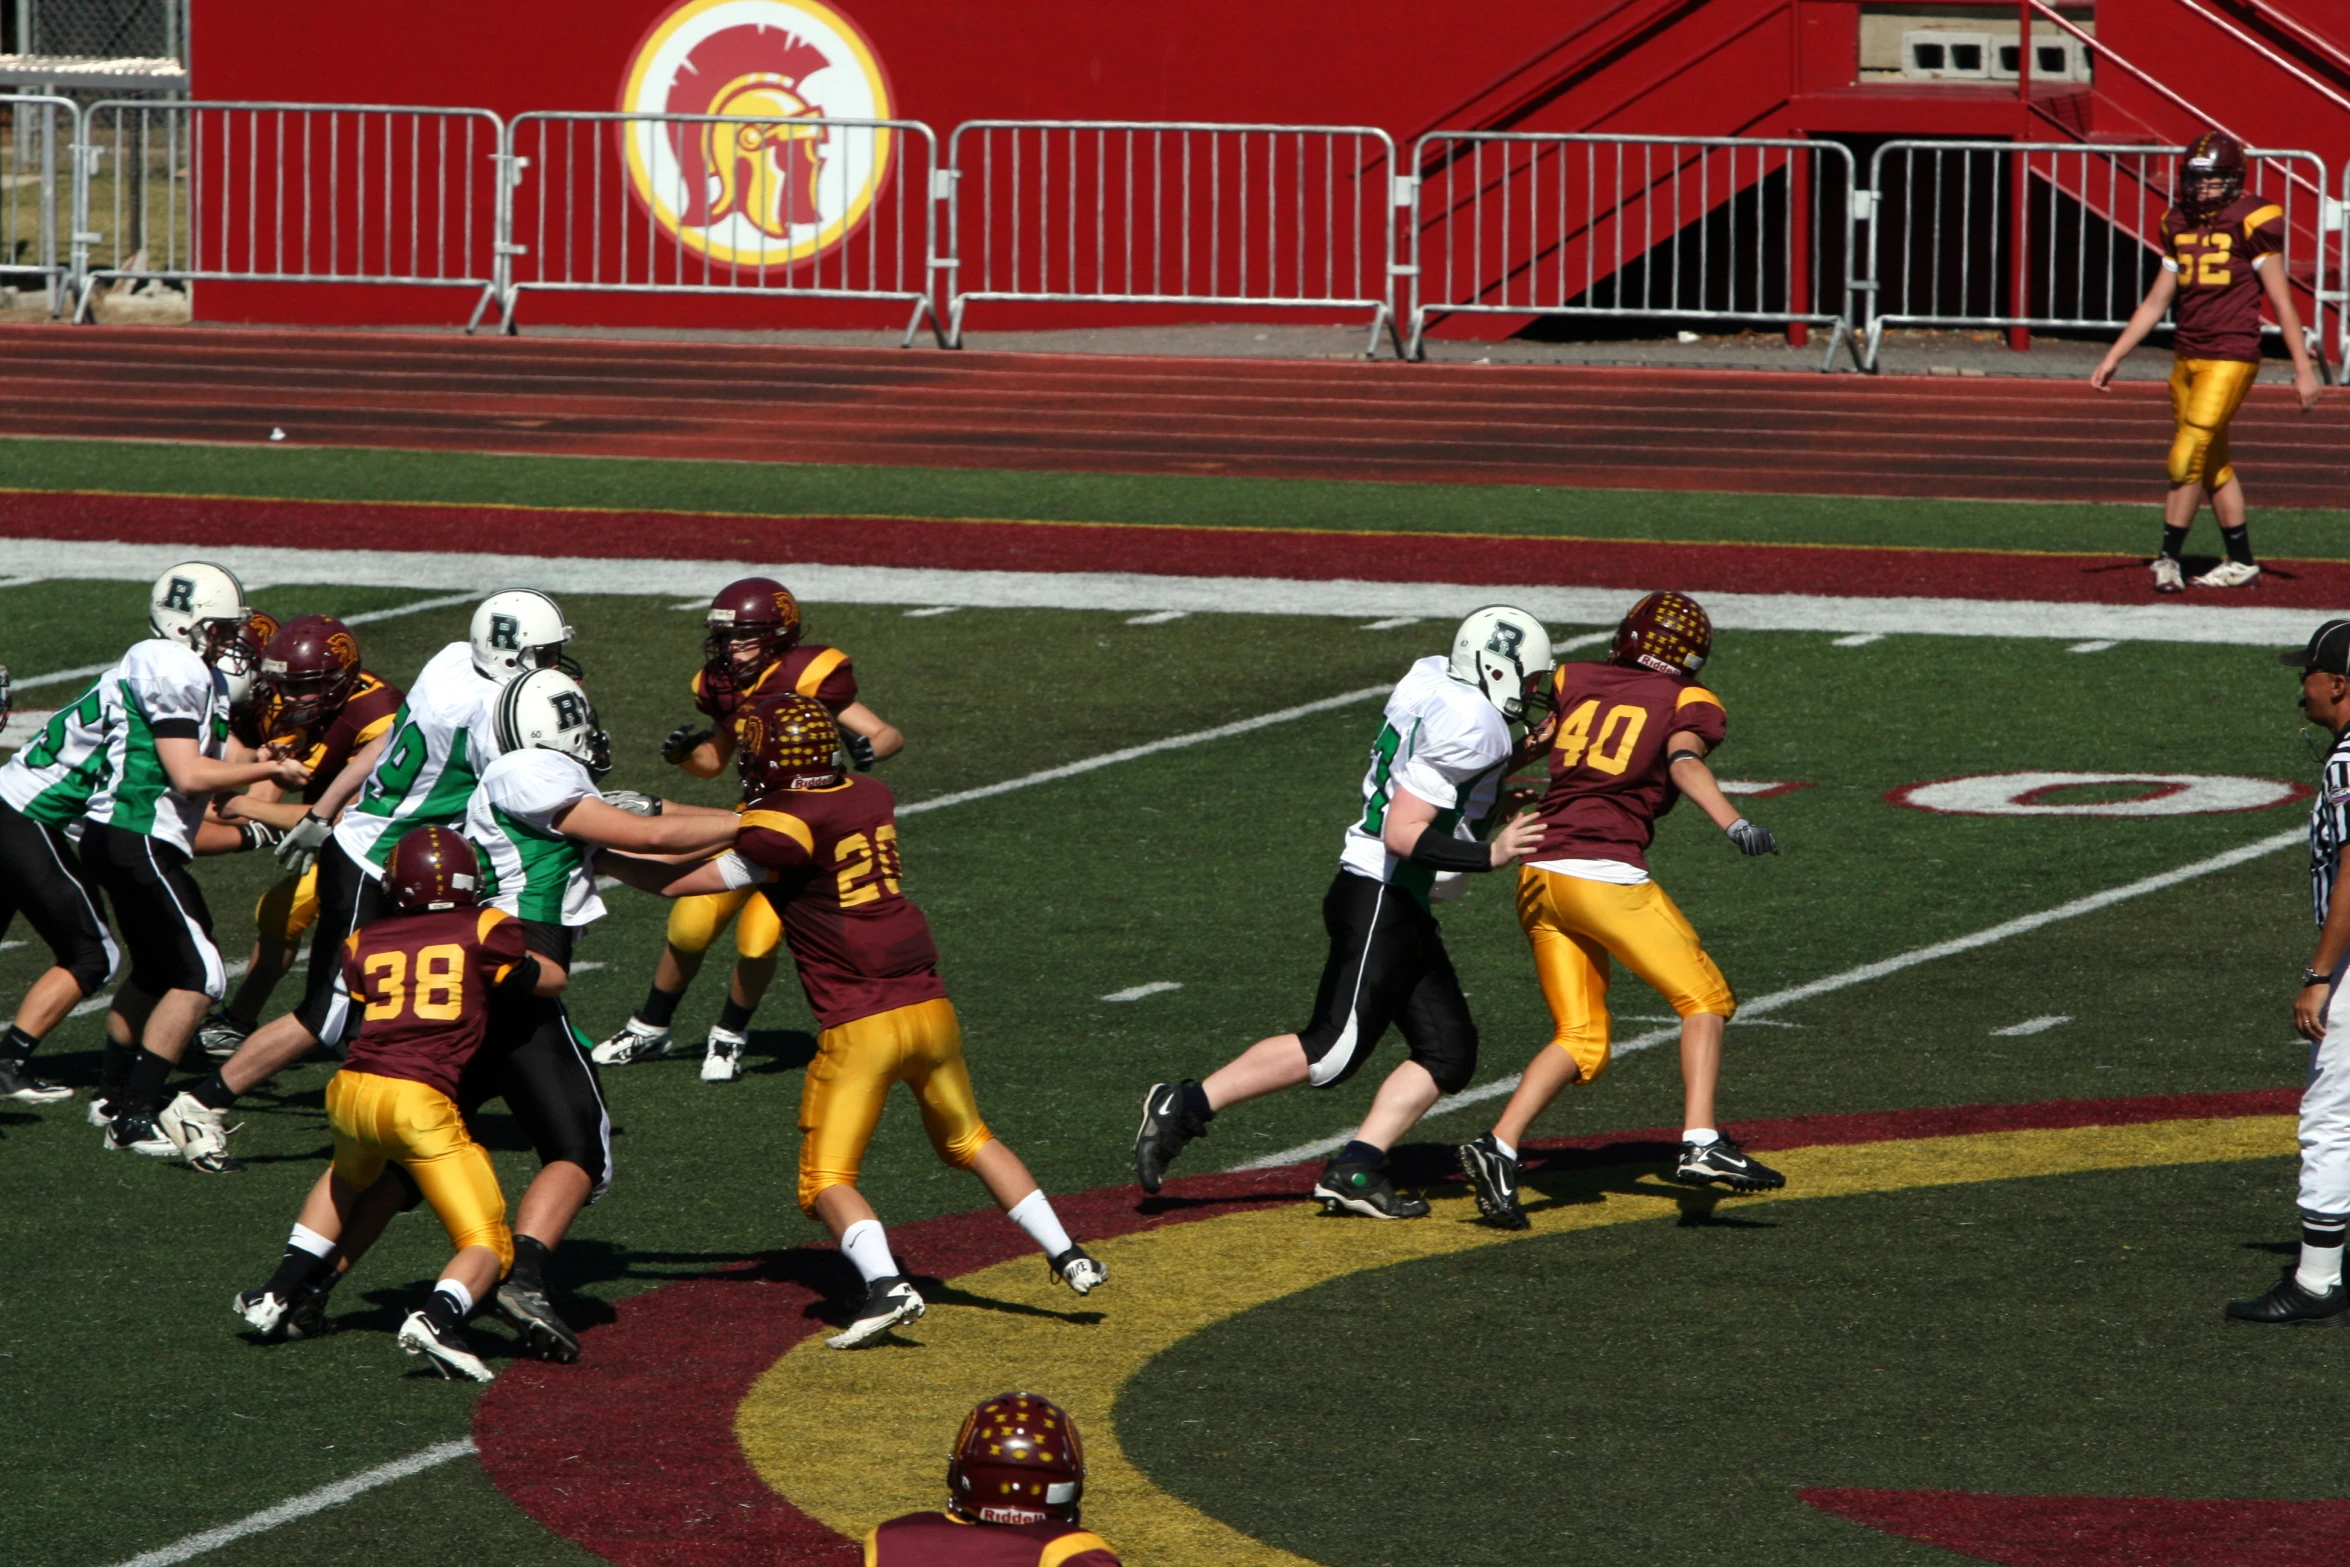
(636, 1041)
(722, 1061)
(888, 1302)
(1079, 1271)
(101, 1111)
(451, 1354)
(2229, 574)
(259, 1310)
(198, 1132)
(2168, 578)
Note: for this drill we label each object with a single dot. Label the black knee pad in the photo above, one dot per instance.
(87, 965)
(1451, 1060)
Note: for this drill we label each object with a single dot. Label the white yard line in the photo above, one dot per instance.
(2031, 1025)
(1779, 999)
(303, 1506)
(368, 617)
(1157, 987)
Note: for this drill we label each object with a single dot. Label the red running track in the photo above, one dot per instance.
(1634, 429)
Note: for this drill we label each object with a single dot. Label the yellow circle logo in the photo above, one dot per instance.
(781, 184)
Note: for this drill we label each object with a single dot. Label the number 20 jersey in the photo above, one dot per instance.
(1608, 779)
(420, 984)
(861, 945)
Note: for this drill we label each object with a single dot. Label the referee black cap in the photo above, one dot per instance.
(2328, 651)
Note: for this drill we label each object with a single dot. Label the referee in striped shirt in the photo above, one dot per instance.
(2311, 1290)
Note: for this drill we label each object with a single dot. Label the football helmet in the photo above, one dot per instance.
(198, 605)
(752, 622)
(432, 868)
(1667, 632)
(309, 668)
(1018, 1460)
(2211, 174)
(1504, 653)
(240, 660)
(547, 709)
(786, 742)
(516, 631)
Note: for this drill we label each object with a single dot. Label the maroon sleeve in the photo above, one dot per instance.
(2266, 238)
(501, 948)
(769, 846)
(704, 702)
(1700, 712)
(838, 688)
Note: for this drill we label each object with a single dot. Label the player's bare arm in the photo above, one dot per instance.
(2280, 303)
(2148, 316)
(192, 772)
(608, 826)
(881, 737)
(1410, 819)
(1685, 754)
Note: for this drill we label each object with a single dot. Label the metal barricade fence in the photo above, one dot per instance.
(1178, 212)
(1701, 228)
(286, 193)
(2053, 235)
(2338, 294)
(804, 208)
(37, 138)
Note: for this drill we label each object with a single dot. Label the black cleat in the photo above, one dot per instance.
(1352, 1186)
(19, 1084)
(528, 1311)
(888, 1302)
(1723, 1163)
(1493, 1177)
(1078, 1270)
(306, 1313)
(1166, 1127)
(2289, 1305)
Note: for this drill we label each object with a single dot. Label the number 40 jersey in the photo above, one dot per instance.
(1608, 778)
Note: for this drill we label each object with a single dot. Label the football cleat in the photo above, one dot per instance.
(528, 1311)
(219, 1035)
(2289, 1305)
(1079, 1271)
(2228, 574)
(138, 1134)
(18, 1084)
(261, 1311)
(1166, 1127)
(450, 1352)
(636, 1041)
(889, 1301)
(2168, 578)
(1493, 1177)
(1723, 1163)
(306, 1313)
(196, 1130)
(101, 1111)
(722, 1058)
(1352, 1186)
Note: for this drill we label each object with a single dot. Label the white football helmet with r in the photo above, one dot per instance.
(198, 605)
(1505, 653)
(517, 631)
(547, 709)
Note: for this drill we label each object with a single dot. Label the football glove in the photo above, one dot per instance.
(859, 748)
(260, 835)
(633, 802)
(682, 742)
(1751, 838)
(298, 850)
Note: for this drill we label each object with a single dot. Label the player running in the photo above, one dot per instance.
(1015, 1484)
(312, 700)
(1429, 797)
(1626, 738)
(2222, 252)
(423, 978)
(753, 650)
(821, 846)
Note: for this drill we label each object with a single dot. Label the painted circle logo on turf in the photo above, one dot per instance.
(2096, 794)
(778, 186)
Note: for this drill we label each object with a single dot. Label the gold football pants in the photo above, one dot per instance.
(920, 1046)
(694, 923)
(1577, 926)
(381, 1120)
(287, 909)
(2204, 396)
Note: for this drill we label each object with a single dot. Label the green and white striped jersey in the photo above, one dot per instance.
(1439, 739)
(52, 777)
(445, 734)
(160, 690)
(530, 870)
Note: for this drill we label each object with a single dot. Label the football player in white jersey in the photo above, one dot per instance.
(158, 748)
(1429, 797)
(444, 736)
(536, 818)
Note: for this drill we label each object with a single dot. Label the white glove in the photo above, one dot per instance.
(300, 849)
(633, 802)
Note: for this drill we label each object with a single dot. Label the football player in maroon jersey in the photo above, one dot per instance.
(2223, 251)
(1626, 739)
(421, 979)
(1015, 1482)
(821, 846)
(752, 651)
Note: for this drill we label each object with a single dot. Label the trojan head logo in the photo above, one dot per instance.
(773, 183)
(343, 648)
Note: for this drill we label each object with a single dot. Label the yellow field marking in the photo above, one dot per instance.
(852, 1439)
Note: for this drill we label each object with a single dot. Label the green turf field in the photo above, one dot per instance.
(1569, 1386)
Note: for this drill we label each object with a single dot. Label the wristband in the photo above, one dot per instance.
(1448, 853)
(2310, 976)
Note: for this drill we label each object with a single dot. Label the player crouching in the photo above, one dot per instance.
(821, 845)
(1015, 1482)
(422, 979)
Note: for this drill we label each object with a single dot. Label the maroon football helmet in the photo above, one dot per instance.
(786, 742)
(432, 868)
(311, 666)
(1017, 1461)
(752, 623)
(1666, 632)
(2211, 174)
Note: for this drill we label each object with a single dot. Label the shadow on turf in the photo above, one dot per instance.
(1569, 1177)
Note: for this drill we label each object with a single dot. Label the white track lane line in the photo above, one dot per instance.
(1778, 999)
(303, 1506)
(368, 617)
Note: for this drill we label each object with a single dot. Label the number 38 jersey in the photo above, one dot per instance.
(1608, 780)
(420, 984)
(861, 945)
(1441, 740)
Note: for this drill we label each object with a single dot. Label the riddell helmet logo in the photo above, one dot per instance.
(785, 187)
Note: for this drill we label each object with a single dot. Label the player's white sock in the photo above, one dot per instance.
(307, 1239)
(458, 1293)
(1507, 1152)
(1701, 1135)
(2321, 1255)
(1034, 1213)
(866, 1245)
